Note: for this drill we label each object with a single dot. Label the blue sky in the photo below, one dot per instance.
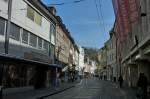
(83, 23)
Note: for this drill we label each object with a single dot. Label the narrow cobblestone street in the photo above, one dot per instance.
(74, 49)
(93, 89)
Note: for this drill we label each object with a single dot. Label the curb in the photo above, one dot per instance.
(59, 91)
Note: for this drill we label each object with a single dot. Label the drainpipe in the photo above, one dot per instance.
(8, 26)
(1, 87)
(6, 41)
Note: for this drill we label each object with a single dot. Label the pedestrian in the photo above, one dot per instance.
(142, 86)
(57, 79)
(72, 77)
(120, 80)
(99, 76)
(114, 79)
(1, 92)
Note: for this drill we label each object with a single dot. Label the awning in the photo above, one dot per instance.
(65, 69)
(6, 58)
(147, 51)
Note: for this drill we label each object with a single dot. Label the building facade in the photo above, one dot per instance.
(87, 69)
(71, 66)
(30, 44)
(81, 61)
(90, 67)
(102, 63)
(76, 55)
(134, 52)
(62, 43)
(111, 58)
(93, 67)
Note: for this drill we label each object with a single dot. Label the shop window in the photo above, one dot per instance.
(33, 40)
(2, 26)
(40, 43)
(17, 73)
(15, 32)
(25, 35)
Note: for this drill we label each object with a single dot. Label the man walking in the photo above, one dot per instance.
(1, 93)
(120, 81)
(142, 85)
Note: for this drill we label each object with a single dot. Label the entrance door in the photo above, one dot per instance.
(40, 78)
(134, 75)
(1, 73)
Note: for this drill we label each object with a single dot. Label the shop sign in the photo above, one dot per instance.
(147, 50)
(38, 57)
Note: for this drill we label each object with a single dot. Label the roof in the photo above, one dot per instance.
(43, 9)
(63, 26)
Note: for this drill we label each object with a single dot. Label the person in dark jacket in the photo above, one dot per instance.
(120, 81)
(142, 84)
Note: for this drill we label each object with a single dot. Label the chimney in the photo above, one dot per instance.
(52, 9)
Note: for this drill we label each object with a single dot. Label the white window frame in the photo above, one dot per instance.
(38, 43)
(24, 42)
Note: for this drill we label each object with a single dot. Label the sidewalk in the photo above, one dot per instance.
(39, 94)
(129, 92)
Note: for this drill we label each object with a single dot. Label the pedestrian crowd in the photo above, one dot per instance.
(142, 84)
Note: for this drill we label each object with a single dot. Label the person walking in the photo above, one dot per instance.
(58, 79)
(142, 86)
(120, 81)
(145, 85)
(1, 92)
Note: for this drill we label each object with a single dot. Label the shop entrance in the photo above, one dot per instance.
(40, 78)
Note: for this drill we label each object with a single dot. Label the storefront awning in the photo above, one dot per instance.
(9, 58)
(65, 69)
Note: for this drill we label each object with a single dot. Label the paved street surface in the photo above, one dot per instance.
(35, 94)
(93, 89)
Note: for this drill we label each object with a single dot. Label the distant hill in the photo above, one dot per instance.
(92, 53)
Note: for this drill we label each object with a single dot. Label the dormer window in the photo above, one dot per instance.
(34, 15)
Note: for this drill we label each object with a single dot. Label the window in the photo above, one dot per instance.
(40, 43)
(52, 50)
(2, 26)
(34, 16)
(33, 40)
(38, 18)
(15, 32)
(52, 29)
(46, 45)
(25, 37)
(30, 13)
